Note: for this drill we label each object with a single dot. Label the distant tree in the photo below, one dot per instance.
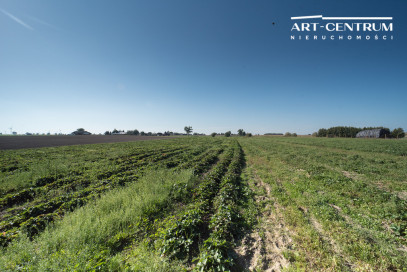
(249, 135)
(108, 133)
(294, 134)
(322, 132)
(136, 132)
(149, 133)
(188, 129)
(398, 133)
(228, 133)
(213, 134)
(115, 131)
(241, 132)
(79, 131)
(287, 134)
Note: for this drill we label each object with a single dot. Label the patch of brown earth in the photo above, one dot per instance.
(303, 171)
(263, 248)
(402, 195)
(351, 175)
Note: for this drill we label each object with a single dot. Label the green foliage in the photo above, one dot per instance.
(289, 134)
(342, 199)
(90, 236)
(322, 132)
(48, 197)
(346, 132)
(223, 223)
(398, 133)
(241, 132)
(188, 129)
(180, 236)
(214, 256)
(213, 134)
(114, 231)
(228, 133)
(142, 258)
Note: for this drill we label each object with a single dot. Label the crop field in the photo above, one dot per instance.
(19, 142)
(206, 204)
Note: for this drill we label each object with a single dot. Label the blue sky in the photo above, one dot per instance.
(214, 65)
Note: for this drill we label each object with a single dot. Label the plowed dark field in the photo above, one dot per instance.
(18, 142)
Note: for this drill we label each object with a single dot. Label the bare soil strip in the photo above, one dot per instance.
(263, 248)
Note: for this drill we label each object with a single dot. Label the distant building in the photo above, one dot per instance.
(373, 133)
(119, 133)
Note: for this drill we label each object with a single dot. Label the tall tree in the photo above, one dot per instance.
(188, 129)
(398, 133)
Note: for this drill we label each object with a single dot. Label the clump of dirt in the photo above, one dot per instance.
(351, 175)
(402, 195)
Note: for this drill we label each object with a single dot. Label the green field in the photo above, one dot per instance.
(206, 204)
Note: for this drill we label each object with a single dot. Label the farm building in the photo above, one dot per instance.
(373, 133)
(119, 133)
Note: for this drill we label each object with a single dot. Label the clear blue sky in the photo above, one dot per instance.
(214, 65)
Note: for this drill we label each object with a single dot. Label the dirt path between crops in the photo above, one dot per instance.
(263, 248)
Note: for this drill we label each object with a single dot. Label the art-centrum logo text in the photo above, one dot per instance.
(318, 27)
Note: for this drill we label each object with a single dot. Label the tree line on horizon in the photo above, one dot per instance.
(350, 132)
(187, 129)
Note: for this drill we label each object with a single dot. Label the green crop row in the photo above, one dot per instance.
(179, 237)
(215, 254)
(204, 232)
